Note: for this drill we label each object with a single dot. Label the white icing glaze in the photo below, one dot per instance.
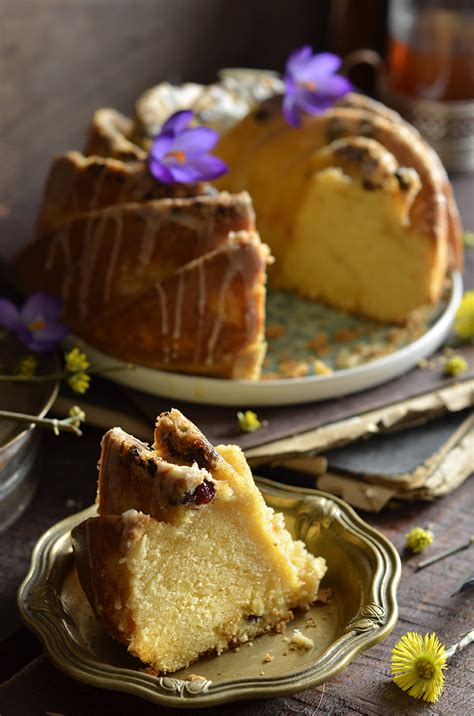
(147, 244)
(111, 263)
(164, 320)
(93, 239)
(233, 268)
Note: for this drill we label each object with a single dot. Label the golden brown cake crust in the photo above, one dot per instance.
(133, 476)
(100, 545)
(110, 136)
(104, 257)
(78, 184)
(178, 440)
(157, 329)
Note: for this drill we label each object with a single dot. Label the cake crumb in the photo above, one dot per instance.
(250, 643)
(293, 368)
(345, 335)
(267, 658)
(324, 595)
(300, 641)
(195, 677)
(261, 673)
(310, 623)
(275, 330)
(319, 344)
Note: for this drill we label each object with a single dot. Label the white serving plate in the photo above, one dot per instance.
(284, 391)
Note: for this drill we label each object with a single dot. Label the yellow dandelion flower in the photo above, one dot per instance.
(418, 539)
(248, 421)
(27, 367)
(79, 382)
(76, 361)
(454, 365)
(417, 665)
(464, 320)
(79, 415)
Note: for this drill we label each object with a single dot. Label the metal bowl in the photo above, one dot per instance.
(19, 445)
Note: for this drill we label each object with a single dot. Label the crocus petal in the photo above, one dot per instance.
(160, 172)
(9, 314)
(208, 166)
(197, 140)
(334, 87)
(161, 144)
(178, 121)
(319, 66)
(41, 305)
(297, 59)
(290, 110)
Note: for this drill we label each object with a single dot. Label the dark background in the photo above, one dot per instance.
(62, 59)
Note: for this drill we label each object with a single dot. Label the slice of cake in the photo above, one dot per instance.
(208, 567)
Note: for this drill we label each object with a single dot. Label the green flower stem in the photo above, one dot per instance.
(12, 378)
(443, 555)
(65, 425)
(460, 645)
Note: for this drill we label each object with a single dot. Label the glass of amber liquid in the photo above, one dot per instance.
(429, 75)
(431, 49)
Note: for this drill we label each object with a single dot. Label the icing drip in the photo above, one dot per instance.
(233, 268)
(201, 307)
(152, 225)
(93, 239)
(113, 255)
(178, 313)
(164, 320)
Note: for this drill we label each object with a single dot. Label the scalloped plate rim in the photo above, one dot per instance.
(111, 677)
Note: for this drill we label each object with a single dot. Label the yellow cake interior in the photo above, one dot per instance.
(344, 243)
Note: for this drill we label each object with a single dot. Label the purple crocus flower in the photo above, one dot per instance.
(311, 83)
(179, 153)
(36, 323)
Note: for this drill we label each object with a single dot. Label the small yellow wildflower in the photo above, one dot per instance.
(417, 665)
(418, 539)
(454, 365)
(248, 421)
(27, 367)
(79, 414)
(464, 320)
(468, 239)
(76, 361)
(79, 382)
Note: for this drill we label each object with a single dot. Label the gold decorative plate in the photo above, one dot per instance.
(363, 574)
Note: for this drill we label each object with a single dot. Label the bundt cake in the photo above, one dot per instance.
(354, 205)
(185, 558)
(135, 261)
